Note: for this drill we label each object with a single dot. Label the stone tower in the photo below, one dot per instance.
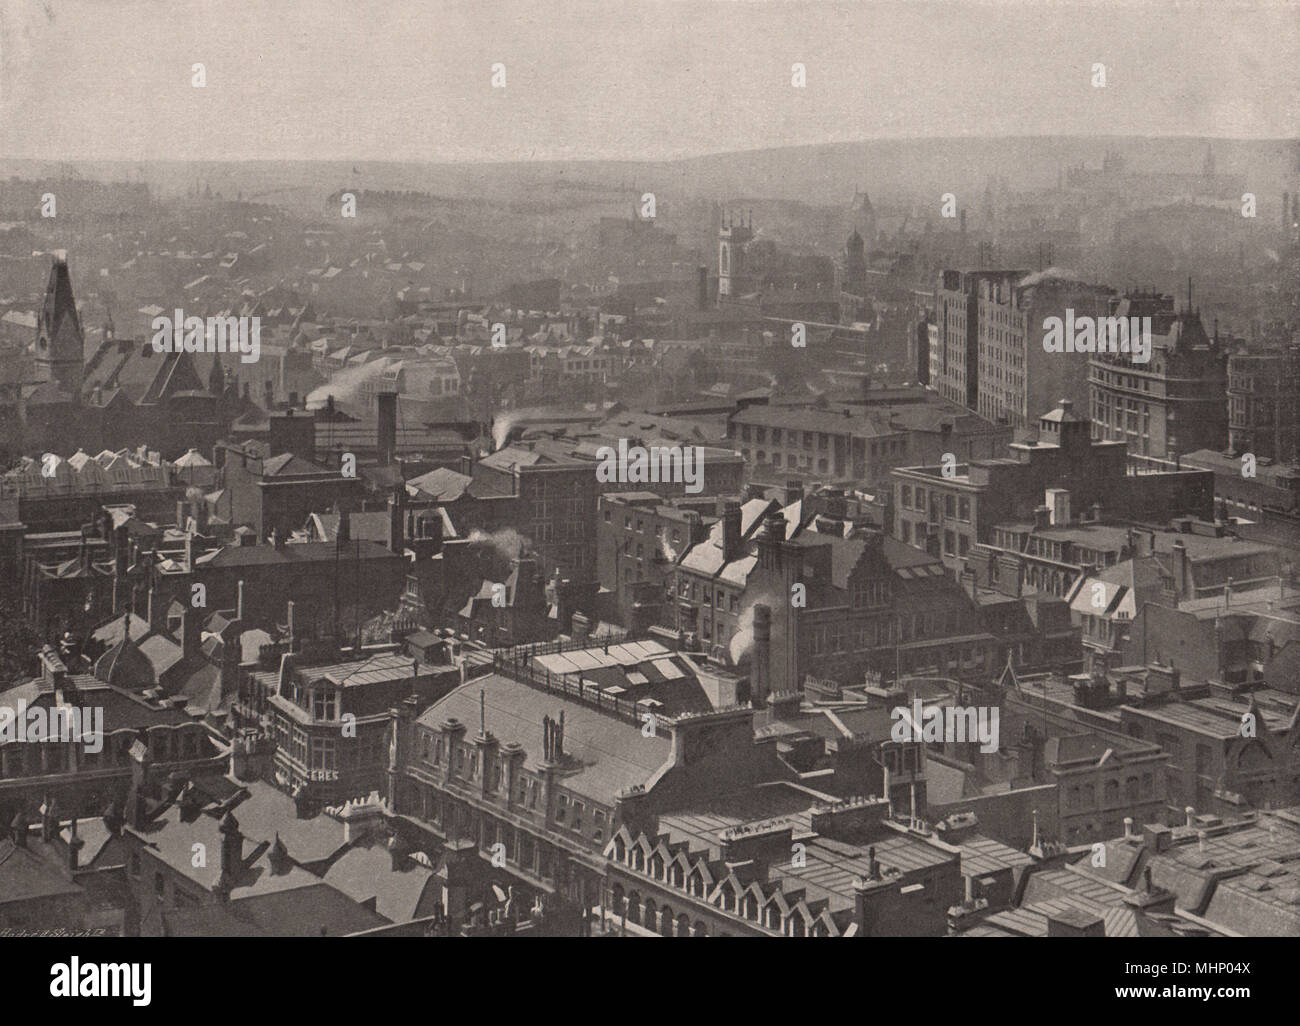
(733, 237)
(855, 265)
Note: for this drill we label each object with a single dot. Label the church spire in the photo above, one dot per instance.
(59, 353)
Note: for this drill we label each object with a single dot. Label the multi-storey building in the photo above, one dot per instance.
(84, 775)
(831, 445)
(836, 606)
(947, 509)
(638, 539)
(681, 831)
(1017, 376)
(1264, 402)
(1227, 744)
(1273, 487)
(989, 353)
(329, 720)
(1174, 402)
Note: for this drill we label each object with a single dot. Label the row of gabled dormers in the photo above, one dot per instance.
(739, 890)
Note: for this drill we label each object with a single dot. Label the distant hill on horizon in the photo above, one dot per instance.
(891, 170)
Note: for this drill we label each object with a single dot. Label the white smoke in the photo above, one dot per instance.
(742, 642)
(501, 430)
(346, 386)
(508, 542)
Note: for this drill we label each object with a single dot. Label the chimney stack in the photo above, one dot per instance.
(731, 539)
(774, 526)
(581, 628)
(695, 530)
(157, 612)
(190, 633)
(396, 522)
(760, 662)
(18, 828)
(1180, 570)
(75, 844)
(49, 821)
(387, 436)
(232, 853)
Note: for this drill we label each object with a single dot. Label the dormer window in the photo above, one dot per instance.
(324, 704)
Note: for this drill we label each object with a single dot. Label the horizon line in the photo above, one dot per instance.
(699, 155)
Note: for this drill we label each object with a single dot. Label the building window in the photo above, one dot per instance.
(324, 756)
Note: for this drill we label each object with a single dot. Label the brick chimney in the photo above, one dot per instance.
(18, 828)
(731, 538)
(387, 428)
(695, 528)
(581, 629)
(396, 521)
(760, 660)
(49, 820)
(75, 844)
(1182, 582)
(191, 633)
(232, 854)
(157, 611)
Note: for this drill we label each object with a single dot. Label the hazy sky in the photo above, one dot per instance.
(398, 80)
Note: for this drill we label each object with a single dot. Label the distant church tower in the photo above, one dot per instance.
(863, 214)
(855, 265)
(732, 240)
(59, 354)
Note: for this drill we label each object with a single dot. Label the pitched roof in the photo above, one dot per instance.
(608, 754)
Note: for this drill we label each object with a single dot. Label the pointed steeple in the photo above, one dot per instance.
(217, 379)
(59, 351)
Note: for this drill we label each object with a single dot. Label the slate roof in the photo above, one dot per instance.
(608, 754)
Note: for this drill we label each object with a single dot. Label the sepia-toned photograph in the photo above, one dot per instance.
(650, 468)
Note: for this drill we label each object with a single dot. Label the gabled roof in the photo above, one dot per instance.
(289, 465)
